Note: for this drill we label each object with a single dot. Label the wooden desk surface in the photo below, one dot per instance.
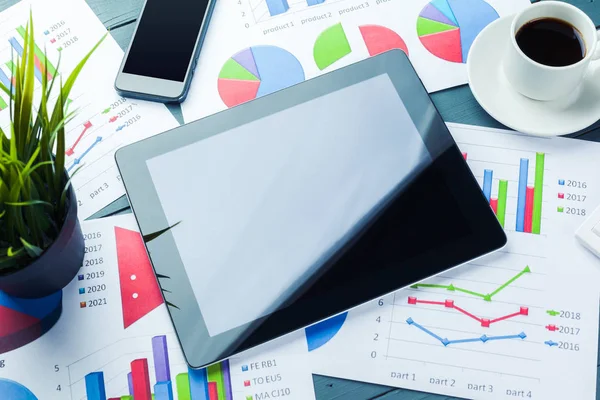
(455, 105)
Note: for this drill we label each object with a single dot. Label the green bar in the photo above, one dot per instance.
(126, 397)
(183, 387)
(39, 53)
(502, 190)
(538, 189)
(3, 105)
(216, 375)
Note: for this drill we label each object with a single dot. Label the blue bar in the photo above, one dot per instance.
(163, 391)
(488, 174)
(198, 384)
(130, 383)
(16, 45)
(19, 49)
(277, 7)
(524, 169)
(94, 386)
(5, 79)
(314, 2)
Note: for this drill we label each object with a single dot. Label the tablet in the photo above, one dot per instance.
(302, 204)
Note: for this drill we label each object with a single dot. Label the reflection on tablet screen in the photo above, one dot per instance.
(265, 205)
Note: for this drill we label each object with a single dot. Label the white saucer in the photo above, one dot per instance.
(496, 95)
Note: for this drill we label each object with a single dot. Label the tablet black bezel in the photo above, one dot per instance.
(199, 348)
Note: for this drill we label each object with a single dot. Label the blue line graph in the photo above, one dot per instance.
(78, 159)
(482, 338)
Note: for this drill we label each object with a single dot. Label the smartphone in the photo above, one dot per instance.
(163, 53)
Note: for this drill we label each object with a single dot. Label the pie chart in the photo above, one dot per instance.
(25, 320)
(332, 44)
(12, 390)
(447, 28)
(319, 334)
(257, 71)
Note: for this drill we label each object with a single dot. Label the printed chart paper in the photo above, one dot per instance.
(256, 47)
(520, 323)
(104, 121)
(108, 336)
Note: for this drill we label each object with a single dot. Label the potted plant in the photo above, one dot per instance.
(41, 244)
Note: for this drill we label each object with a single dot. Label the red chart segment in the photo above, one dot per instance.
(140, 293)
(237, 91)
(380, 39)
(257, 71)
(23, 321)
(447, 28)
(445, 45)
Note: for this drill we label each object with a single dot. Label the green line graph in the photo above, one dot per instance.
(484, 296)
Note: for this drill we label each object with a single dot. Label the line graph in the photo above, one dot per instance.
(485, 296)
(482, 338)
(86, 126)
(485, 322)
(96, 129)
(78, 160)
(512, 324)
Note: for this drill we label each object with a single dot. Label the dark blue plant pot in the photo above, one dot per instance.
(56, 267)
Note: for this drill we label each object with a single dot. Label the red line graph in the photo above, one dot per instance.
(485, 322)
(87, 125)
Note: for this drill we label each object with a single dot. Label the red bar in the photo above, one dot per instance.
(41, 67)
(115, 398)
(494, 204)
(465, 156)
(213, 393)
(141, 379)
(528, 209)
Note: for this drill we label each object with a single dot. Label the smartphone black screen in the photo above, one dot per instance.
(165, 38)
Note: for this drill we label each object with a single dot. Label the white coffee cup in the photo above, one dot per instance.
(543, 82)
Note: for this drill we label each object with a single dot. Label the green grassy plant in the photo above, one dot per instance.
(34, 185)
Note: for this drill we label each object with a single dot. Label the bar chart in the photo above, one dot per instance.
(528, 186)
(263, 10)
(212, 383)
(43, 66)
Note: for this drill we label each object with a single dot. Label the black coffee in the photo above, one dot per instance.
(551, 42)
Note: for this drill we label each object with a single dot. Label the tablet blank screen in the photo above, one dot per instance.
(264, 205)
